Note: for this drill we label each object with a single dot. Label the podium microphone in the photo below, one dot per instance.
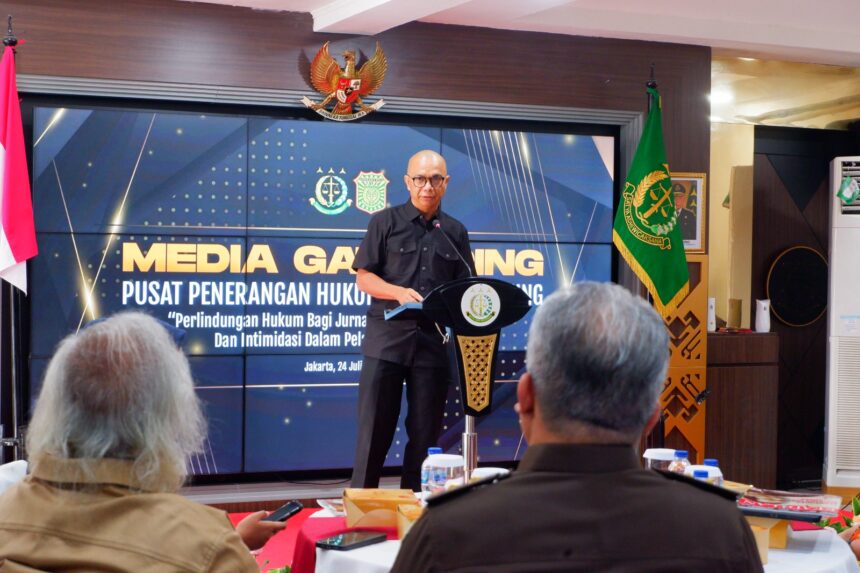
(438, 225)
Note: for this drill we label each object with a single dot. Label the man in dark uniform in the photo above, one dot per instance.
(686, 214)
(403, 256)
(580, 501)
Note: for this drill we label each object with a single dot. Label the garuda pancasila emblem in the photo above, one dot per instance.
(346, 86)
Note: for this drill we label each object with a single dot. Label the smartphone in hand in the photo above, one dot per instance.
(284, 512)
(351, 540)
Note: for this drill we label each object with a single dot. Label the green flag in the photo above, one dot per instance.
(645, 231)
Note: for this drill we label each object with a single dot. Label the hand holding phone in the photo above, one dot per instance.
(255, 532)
(284, 512)
(351, 540)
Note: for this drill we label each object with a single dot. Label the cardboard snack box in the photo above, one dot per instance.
(375, 507)
(407, 514)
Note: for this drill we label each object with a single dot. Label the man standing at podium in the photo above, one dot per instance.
(404, 255)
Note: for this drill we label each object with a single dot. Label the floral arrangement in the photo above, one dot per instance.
(847, 525)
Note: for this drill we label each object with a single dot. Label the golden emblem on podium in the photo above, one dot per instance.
(478, 353)
(346, 86)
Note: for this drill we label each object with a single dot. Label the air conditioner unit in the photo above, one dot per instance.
(842, 422)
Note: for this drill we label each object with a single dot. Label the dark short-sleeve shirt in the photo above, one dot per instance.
(404, 249)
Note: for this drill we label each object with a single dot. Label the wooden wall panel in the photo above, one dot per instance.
(186, 42)
(802, 350)
(791, 198)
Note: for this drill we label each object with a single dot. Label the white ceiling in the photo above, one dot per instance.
(814, 31)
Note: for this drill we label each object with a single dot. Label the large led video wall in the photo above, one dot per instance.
(242, 231)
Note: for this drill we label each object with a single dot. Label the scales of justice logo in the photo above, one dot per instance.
(346, 86)
(331, 194)
(480, 304)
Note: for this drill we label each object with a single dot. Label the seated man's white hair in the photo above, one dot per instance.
(120, 389)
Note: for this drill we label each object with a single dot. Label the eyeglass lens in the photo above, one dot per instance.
(421, 181)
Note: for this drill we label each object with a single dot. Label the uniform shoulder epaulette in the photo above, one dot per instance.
(702, 485)
(447, 496)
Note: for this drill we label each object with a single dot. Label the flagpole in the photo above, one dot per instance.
(657, 437)
(651, 83)
(17, 440)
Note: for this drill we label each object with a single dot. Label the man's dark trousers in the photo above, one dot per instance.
(379, 396)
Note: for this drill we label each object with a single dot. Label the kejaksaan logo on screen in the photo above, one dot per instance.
(371, 191)
(331, 195)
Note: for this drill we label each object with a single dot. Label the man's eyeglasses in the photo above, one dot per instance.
(435, 181)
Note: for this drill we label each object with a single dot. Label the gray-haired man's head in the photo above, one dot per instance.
(597, 356)
(120, 389)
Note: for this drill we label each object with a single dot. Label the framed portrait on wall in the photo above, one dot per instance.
(691, 208)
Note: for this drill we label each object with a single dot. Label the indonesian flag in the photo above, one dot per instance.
(17, 232)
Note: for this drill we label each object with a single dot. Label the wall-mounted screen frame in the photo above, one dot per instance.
(239, 225)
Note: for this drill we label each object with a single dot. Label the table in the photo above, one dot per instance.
(308, 558)
(817, 551)
(807, 552)
(376, 558)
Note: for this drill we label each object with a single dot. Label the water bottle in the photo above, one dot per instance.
(438, 469)
(716, 473)
(680, 463)
(427, 470)
(701, 475)
(658, 458)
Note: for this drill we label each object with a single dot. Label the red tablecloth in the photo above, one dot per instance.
(278, 552)
(305, 557)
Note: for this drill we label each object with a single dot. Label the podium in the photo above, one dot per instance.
(475, 309)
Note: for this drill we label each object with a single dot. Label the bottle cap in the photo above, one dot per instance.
(434, 450)
(711, 462)
(680, 453)
(700, 474)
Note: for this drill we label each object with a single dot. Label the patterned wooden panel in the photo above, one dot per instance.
(688, 324)
(684, 417)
